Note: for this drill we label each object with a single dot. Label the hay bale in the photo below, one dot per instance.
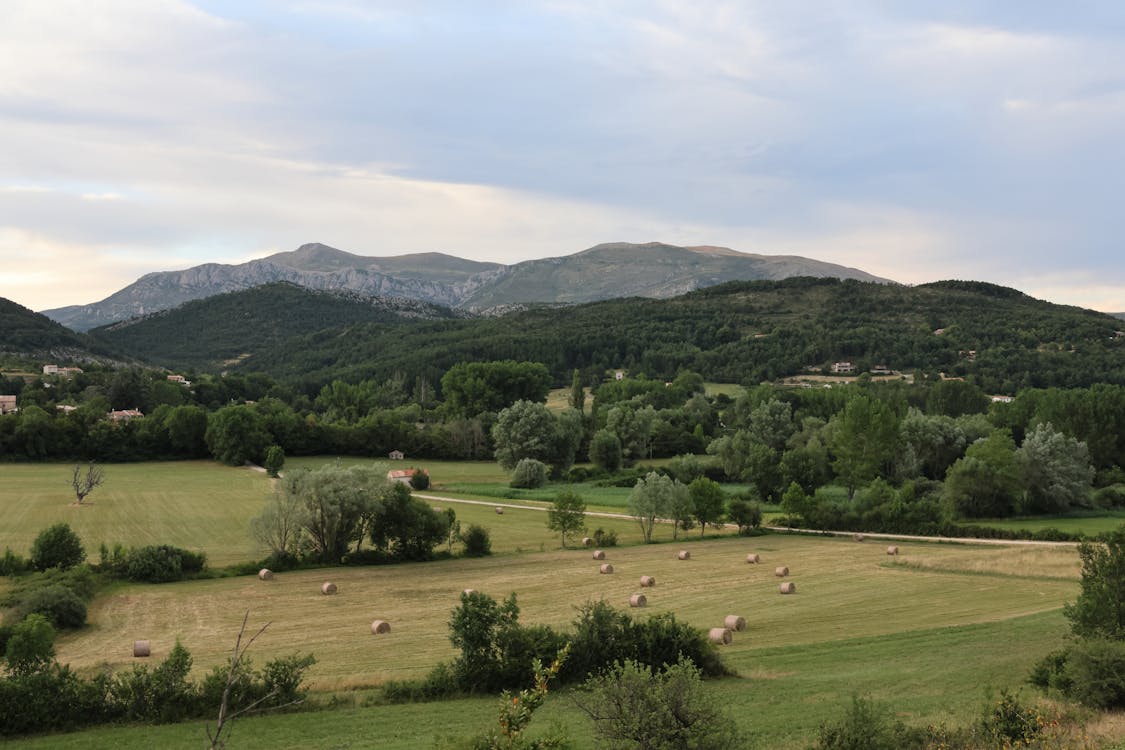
(378, 627)
(858, 537)
(722, 636)
(753, 558)
(587, 541)
(892, 550)
(734, 622)
(499, 511)
(788, 588)
(647, 582)
(599, 554)
(327, 588)
(781, 571)
(605, 568)
(142, 649)
(438, 509)
(265, 574)
(638, 600)
(684, 555)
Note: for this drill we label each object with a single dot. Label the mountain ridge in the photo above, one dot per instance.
(603, 271)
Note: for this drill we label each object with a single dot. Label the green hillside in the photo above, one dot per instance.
(219, 331)
(742, 332)
(28, 335)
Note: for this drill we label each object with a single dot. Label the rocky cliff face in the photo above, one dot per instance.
(602, 272)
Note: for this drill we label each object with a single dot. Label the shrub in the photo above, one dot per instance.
(160, 694)
(747, 515)
(274, 460)
(529, 474)
(11, 564)
(1092, 672)
(477, 541)
(58, 603)
(439, 683)
(420, 480)
(603, 538)
(57, 547)
(1010, 723)
(162, 564)
(866, 726)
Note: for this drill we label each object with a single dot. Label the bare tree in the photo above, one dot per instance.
(84, 485)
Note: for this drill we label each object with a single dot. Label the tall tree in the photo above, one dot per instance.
(1056, 470)
(707, 497)
(1099, 611)
(985, 483)
(864, 438)
(567, 515)
(577, 393)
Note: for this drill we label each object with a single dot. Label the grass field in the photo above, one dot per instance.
(198, 505)
(1088, 524)
(925, 629)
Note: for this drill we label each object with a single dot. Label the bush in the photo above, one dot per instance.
(603, 538)
(1092, 672)
(477, 541)
(274, 460)
(59, 604)
(30, 647)
(49, 699)
(420, 480)
(747, 515)
(57, 547)
(867, 726)
(1110, 497)
(529, 474)
(11, 564)
(162, 564)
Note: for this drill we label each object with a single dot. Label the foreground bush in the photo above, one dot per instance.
(1091, 671)
(57, 547)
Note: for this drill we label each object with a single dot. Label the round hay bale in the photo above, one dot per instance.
(499, 511)
(327, 588)
(378, 627)
(605, 568)
(142, 649)
(858, 537)
(599, 554)
(265, 574)
(722, 636)
(788, 588)
(684, 555)
(753, 558)
(647, 582)
(734, 622)
(638, 600)
(892, 550)
(781, 571)
(587, 541)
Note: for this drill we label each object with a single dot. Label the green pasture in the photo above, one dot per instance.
(198, 505)
(1106, 520)
(928, 631)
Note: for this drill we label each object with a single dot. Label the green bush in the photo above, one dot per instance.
(477, 541)
(1091, 671)
(11, 564)
(439, 682)
(745, 514)
(603, 538)
(420, 480)
(49, 699)
(57, 547)
(162, 564)
(30, 646)
(58, 603)
(529, 474)
(274, 460)
(867, 726)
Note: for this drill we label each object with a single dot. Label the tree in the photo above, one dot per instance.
(275, 459)
(935, 440)
(635, 707)
(471, 388)
(278, 527)
(985, 483)
(1099, 610)
(577, 393)
(1056, 470)
(31, 645)
(681, 509)
(707, 497)
(524, 430)
(236, 434)
(335, 503)
(57, 547)
(85, 484)
(404, 527)
(650, 499)
(864, 439)
(529, 474)
(567, 515)
(605, 450)
(771, 424)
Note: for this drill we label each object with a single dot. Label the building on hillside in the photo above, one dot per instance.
(8, 405)
(125, 415)
(1001, 399)
(396, 455)
(618, 374)
(881, 370)
(179, 379)
(404, 475)
(62, 372)
(66, 408)
(842, 368)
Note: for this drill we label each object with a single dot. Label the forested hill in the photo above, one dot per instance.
(220, 331)
(25, 334)
(735, 332)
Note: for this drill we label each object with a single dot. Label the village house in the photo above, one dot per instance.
(125, 415)
(62, 372)
(179, 379)
(842, 368)
(8, 405)
(880, 370)
(404, 475)
(396, 455)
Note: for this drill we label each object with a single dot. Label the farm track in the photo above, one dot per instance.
(783, 529)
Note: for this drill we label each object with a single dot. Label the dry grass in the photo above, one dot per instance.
(1037, 562)
(846, 591)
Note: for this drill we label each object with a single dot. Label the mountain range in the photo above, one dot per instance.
(605, 271)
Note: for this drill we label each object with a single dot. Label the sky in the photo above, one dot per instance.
(917, 141)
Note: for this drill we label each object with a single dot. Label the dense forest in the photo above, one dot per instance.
(743, 332)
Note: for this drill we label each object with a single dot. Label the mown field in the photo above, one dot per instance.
(928, 632)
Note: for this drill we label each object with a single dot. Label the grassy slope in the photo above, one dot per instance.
(198, 505)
